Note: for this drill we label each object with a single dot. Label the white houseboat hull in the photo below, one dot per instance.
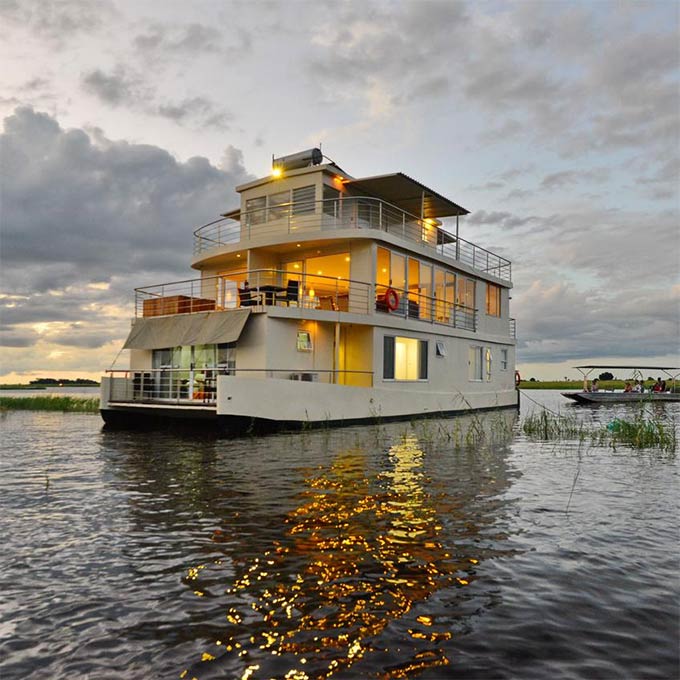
(246, 405)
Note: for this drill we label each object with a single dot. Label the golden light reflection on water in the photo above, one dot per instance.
(361, 551)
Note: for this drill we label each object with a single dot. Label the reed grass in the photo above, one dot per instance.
(642, 432)
(50, 403)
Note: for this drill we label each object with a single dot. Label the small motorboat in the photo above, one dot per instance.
(588, 396)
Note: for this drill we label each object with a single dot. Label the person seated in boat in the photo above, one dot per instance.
(659, 386)
(595, 387)
(639, 387)
(628, 387)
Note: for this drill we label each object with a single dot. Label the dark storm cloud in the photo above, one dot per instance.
(79, 211)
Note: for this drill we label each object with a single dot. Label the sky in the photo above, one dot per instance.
(126, 125)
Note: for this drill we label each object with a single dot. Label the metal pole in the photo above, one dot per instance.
(457, 241)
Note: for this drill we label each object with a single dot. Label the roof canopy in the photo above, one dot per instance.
(408, 194)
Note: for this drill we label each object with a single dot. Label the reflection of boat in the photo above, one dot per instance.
(613, 397)
(322, 299)
(362, 553)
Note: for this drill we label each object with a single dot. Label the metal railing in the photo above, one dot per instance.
(198, 385)
(265, 287)
(272, 287)
(412, 305)
(348, 213)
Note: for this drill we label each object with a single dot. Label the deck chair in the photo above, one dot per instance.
(246, 298)
(291, 294)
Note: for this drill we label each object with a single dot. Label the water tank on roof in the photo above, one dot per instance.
(298, 160)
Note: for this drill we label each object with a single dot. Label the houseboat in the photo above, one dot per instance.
(322, 299)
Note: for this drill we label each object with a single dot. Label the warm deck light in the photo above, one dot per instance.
(277, 172)
(311, 292)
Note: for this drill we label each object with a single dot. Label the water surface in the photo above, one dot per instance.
(438, 549)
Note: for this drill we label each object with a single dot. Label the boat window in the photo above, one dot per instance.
(398, 272)
(278, 205)
(413, 279)
(441, 349)
(504, 360)
(303, 200)
(304, 341)
(256, 212)
(465, 292)
(382, 276)
(331, 203)
(493, 299)
(444, 291)
(488, 359)
(475, 364)
(404, 358)
(425, 290)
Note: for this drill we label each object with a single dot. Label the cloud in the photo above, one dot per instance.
(558, 323)
(122, 87)
(193, 38)
(117, 88)
(58, 20)
(86, 218)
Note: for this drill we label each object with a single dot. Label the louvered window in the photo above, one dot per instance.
(303, 200)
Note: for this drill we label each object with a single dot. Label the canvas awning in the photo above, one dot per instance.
(206, 328)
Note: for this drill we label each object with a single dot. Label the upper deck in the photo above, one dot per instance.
(323, 203)
(325, 218)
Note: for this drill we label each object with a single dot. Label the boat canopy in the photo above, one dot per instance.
(207, 328)
(671, 371)
(408, 194)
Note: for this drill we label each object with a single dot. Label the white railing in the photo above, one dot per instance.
(196, 386)
(265, 287)
(271, 287)
(348, 213)
(413, 305)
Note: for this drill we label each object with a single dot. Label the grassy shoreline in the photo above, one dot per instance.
(22, 386)
(50, 403)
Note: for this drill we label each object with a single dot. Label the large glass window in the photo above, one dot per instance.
(397, 271)
(256, 212)
(331, 204)
(404, 358)
(493, 299)
(466, 292)
(382, 275)
(445, 292)
(278, 205)
(425, 291)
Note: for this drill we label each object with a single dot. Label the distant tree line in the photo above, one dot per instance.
(63, 381)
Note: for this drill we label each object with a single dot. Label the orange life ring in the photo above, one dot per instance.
(518, 378)
(391, 299)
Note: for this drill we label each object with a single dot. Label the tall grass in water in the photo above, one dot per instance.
(50, 403)
(643, 432)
